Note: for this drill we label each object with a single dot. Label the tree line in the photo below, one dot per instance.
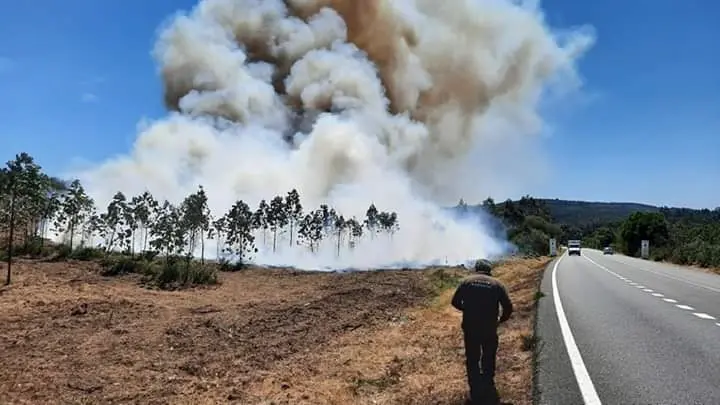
(31, 202)
(526, 222)
(679, 235)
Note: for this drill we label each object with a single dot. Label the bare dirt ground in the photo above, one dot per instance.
(71, 336)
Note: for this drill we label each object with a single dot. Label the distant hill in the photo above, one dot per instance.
(579, 213)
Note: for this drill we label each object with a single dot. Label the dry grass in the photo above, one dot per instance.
(260, 337)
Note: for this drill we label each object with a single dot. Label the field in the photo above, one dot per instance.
(262, 336)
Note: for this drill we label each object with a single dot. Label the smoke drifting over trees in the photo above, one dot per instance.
(407, 104)
(141, 224)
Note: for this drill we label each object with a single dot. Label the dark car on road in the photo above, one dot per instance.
(608, 251)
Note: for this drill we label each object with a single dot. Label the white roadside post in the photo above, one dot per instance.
(553, 247)
(644, 248)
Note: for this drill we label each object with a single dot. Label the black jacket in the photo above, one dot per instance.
(479, 297)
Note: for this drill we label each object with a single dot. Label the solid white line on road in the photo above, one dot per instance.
(686, 307)
(670, 300)
(703, 316)
(718, 324)
(587, 389)
(648, 290)
(657, 295)
(640, 287)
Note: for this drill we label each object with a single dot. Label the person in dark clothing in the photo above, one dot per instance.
(479, 297)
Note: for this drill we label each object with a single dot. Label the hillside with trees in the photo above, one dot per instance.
(679, 235)
(526, 223)
(158, 238)
(583, 213)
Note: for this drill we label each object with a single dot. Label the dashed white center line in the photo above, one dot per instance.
(700, 315)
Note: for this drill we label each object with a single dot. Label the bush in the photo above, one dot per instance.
(179, 274)
(123, 265)
(532, 242)
(62, 252)
(228, 266)
(33, 247)
(87, 253)
(149, 255)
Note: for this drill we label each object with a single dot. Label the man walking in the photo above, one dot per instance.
(479, 297)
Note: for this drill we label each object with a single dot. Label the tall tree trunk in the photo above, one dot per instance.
(202, 249)
(274, 239)
(291, 232)
(72, 234)
(145, 237)
(338, 244)
(11, 235)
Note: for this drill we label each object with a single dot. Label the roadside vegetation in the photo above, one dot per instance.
(526, 223)
(678, 235)
(160, 240)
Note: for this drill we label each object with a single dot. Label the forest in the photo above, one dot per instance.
(142, 234)
(678, 235)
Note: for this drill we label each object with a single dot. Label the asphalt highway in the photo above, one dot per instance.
(618, 330)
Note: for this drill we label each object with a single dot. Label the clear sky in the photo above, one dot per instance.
(77, 77)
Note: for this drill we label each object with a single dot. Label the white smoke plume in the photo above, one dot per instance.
(409, 104)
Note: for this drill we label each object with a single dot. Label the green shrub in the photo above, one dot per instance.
(175, 274)
(149, 255)
(123, 265)
(62, 252)
(87, 253)
(228, 266)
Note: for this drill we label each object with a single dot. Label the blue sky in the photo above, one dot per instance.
(77, 77)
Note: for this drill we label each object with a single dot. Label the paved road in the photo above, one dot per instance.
(619, 330)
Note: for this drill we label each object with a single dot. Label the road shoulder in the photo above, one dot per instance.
(554, 382)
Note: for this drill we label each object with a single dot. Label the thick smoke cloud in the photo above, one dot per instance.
(409, 104)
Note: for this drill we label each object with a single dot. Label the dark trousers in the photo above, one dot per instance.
(480, 354)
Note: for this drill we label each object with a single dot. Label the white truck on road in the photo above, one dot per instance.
(574, 247)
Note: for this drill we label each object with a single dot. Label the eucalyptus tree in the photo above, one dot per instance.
(195, 222)
(371, 220)
(260, 219)
(277, 218)
(294, 211)
(76, 207)
(239, 226)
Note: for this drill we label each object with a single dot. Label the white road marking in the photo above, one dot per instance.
(681, 306)
(718, 324)
(587, 389)
(671, 277)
